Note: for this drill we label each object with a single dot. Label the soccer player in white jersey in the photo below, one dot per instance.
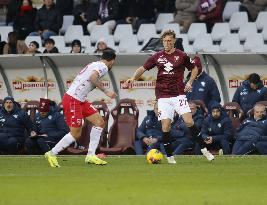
(76, 108)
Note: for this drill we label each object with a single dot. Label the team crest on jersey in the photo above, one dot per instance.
(168, 67)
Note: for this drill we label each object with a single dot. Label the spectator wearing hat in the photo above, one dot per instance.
(48, 128)
(250, 92)
(33, 48)
(101, 45)
(50, 46)
(13, 123)
(217, 129)
(76, 46)
(204, 87)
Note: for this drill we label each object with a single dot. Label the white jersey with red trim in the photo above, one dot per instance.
(82, 85)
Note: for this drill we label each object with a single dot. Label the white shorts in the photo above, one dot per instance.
(167, 107)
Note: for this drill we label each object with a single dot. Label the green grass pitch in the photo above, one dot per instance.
(130, 180)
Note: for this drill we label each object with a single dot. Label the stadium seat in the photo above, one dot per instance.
(163, 19)
(31, 107)
(219, 30)
(261, 21)
(67, 21)
(172, 26)
(184, 37)
(234, 112)
(231, 43)
(188, 48)
(212, 49)
(230, 8)
(253, 41)
(59, 41)
(247, 30)
(237, 20)
(196, 29)
(260, 49)
(29, 39)
(202, 41)
(64, 49)
(4, 30)
(264, 33)
(90, 50)
(121, 31)
(85, 41)
(145, 32)
(99, 31)
(122, 132)
(129, 44)
(84, 140)
(73, 32)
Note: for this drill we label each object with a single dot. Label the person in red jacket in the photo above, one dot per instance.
(210, 12)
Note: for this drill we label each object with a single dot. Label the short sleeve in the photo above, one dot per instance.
(151, 62)
(101, 70)
(188, 62)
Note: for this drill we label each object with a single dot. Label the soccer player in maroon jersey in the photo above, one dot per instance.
(170, 90)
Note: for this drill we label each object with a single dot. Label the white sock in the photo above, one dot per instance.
(94, 139)
(63, 144)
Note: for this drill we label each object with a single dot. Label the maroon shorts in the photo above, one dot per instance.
(75, 111)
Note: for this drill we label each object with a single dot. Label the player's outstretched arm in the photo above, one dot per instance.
(188, 86)
(137, 74)
(95, 80)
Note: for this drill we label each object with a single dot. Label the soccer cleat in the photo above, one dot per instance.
(171, 160)
(52, 159)
(207, 154)
(93, 159)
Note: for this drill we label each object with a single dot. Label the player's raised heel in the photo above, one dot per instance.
(207, 154)
(52, 159)
(171, 160)
(93, 159)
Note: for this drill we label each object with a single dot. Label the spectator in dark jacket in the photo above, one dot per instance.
(182, 139)
(14, 122)
(50, 46)
(48, 20)
(252, 130)
(107, 13)
(12, 11)
(250, 92)
(149, 134)
(49, 128)
(217, 129)
(204, 87)
(84, 13)
(136, 12)
(24, 21)
(65, 7)
(210, 12)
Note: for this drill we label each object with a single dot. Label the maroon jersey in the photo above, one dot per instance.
(170, 75)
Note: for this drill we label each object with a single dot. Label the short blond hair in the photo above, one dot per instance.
(168, 33)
